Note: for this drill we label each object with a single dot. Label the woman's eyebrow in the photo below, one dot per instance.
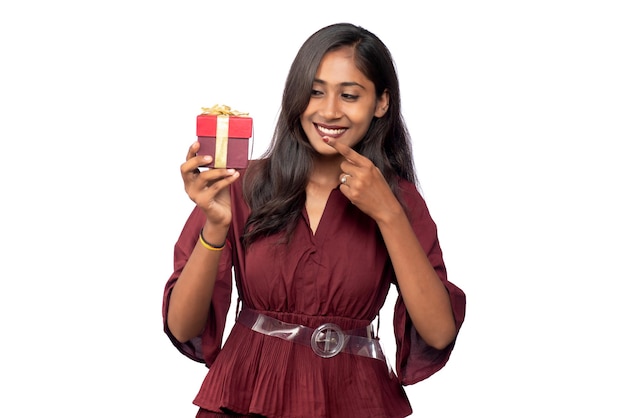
(343, 84)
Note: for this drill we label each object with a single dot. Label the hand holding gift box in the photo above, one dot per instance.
(224, 134)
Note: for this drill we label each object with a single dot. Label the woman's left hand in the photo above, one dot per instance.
(363, 183)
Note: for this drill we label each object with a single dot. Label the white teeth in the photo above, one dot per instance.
(330, 131)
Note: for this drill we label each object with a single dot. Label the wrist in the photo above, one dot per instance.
(210, 246)
(213, 236)
(389, 214)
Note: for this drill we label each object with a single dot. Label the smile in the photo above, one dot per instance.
(330, 131)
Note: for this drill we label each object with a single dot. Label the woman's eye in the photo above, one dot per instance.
(349, 96)
(316, 92)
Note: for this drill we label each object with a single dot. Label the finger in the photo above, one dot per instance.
(203, 159)
(216, 174)
(193, 164)
(214, 179)
(188, 166)
(217, 179)
(193, 149)
(348, 153)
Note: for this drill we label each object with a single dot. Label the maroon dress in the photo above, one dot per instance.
(341, 274)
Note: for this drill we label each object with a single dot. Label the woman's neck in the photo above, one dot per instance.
(326, 171)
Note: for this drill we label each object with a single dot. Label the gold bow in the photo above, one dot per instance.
(222, 110)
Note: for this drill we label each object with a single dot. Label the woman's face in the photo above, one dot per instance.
(342, 104)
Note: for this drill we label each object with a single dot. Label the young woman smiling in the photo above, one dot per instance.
(316, 231)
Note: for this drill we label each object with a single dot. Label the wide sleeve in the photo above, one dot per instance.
(416, 360)
(205, 347)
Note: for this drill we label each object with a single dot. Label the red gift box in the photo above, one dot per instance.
(226, 138)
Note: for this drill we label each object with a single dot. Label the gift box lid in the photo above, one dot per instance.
(238, 126)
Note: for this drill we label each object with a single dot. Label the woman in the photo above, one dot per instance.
(316, 231)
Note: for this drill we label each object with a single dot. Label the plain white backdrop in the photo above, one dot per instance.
(518, 115)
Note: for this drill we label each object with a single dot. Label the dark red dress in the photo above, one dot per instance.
(340, 274)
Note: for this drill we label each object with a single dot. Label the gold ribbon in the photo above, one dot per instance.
(221, 141)
(223, 114)
(222, 110)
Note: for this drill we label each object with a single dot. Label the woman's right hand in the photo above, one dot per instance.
(208, 188)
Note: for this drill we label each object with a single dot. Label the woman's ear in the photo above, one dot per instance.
(382, 104)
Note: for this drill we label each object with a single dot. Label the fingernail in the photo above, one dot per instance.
(325, 139)
(207, 158)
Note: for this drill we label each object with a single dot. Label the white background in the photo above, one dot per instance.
(517, 110)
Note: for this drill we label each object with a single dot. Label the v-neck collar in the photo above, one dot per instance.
(322, 225)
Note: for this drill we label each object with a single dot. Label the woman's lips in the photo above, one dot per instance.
(330, 131)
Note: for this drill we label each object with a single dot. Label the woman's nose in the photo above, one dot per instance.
(330, 108)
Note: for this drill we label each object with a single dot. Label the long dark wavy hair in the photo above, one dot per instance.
(275, 185)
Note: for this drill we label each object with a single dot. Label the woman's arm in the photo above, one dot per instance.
(424, 295)
(191, 295)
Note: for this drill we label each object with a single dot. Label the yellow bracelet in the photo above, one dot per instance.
(208, 246)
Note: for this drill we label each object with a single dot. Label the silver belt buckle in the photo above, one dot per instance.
(328, 340)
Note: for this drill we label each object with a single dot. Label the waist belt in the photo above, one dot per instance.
(326, 341)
